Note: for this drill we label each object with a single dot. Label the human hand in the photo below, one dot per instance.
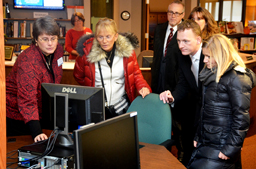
(195, 143)
(74, 52)
(144, 92)
(223, 156)
(40, 137)
(166, 96)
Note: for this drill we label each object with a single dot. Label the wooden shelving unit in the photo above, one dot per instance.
(26, 19)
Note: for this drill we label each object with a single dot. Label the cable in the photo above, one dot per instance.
(35, 165)
(12, 155)
(48, 150)
(55, 163)
(49, 147)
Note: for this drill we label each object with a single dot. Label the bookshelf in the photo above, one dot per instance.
(26, 39)
(10, 31)
(239, 36)
(27, 19)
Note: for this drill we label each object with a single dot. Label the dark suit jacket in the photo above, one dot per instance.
(187, 87)
(173, 52)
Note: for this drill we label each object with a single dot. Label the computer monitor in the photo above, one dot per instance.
(147, 61)
(109, 144)
(85, 105)
(39, 4)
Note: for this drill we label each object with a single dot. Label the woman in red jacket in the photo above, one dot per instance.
(72, 36)
(40, 63)
(108, 58)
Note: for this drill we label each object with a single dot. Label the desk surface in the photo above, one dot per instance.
(151, 156)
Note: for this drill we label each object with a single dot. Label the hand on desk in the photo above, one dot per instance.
(166, 97)
(40, 137)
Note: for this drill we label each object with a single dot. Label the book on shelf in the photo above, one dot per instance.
(31, 29)
(235, 42)
(9, 29)
(23, 29)
(234, 27)
(15, 29)
(252, 26)
(247, 43)
(222, 27)
(5, 28)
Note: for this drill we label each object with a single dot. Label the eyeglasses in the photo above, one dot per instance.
(46, 40)
(197, 19)
(77, 20)
(176, 14)
(108, 37)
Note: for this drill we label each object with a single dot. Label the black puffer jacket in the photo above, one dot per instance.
(225, 115)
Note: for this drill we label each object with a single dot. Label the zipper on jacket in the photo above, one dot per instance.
(110, 84)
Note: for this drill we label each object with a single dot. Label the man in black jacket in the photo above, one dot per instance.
(190, 64)
(164, 68)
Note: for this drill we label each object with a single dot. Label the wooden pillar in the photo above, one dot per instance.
(2, 94)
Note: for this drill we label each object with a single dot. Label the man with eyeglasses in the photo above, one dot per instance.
(164, 68)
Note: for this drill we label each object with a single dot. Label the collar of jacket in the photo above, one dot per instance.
(125, 44)
(123, 49)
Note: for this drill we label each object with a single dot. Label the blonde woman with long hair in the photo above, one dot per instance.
(225, 118)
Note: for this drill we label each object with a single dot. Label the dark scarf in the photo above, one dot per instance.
(207, 76)
(110, 55)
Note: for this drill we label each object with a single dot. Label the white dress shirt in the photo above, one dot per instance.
(167, 35)
(195, 59)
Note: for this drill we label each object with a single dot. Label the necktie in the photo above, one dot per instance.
(194, 69)
(168, 40)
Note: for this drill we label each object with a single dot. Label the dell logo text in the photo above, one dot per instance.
(68, 90)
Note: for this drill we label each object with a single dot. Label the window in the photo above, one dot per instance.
(224, 10)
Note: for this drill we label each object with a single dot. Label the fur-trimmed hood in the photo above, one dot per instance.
(125, 44)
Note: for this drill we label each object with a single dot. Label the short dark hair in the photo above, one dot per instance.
(79, 15)
(190, 24)
(45, 25)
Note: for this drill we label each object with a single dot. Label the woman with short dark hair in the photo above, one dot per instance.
(40, 63)
(72, 36)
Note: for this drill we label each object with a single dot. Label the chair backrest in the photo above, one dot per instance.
(144, 53)
(154, 119)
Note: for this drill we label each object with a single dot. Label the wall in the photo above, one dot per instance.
(155, 6)
(132, 25)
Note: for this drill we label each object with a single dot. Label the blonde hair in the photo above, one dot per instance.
(107, 24)
(223, 52)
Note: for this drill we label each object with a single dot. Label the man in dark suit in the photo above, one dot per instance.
(165, 56)
(164, 68)
(189, 87)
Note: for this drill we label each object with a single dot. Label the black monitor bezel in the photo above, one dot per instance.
(47, 90)
(78, 133)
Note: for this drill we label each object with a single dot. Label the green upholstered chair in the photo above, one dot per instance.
(154, 120)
